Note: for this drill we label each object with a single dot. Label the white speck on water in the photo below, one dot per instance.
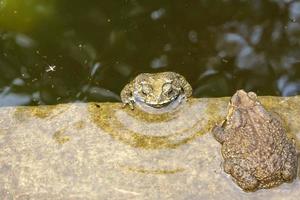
(160, 62)
(36, 96)
(78, 94)
(207, 73)
(18, 82)
(293, 20)
(95, 68)
(5, 90)
(24, 41)
(282, 81)
(167, 47)
(193, 36)
(224, 60)
(24, 72)
(155, 15)
(123, 69)
(256, 35)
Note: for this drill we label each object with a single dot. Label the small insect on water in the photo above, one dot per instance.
(51, 68)
(155, 90)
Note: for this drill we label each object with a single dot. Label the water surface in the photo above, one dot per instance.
(56, 51)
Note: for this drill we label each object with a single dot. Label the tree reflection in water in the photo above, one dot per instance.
(97, 47)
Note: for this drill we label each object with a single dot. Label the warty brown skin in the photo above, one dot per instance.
(256, 150)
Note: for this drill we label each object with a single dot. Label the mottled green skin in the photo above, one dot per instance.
(155, 90)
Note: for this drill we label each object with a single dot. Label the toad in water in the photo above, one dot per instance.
(256, 150)
(156, 90)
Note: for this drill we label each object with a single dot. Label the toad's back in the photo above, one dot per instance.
(256, 150)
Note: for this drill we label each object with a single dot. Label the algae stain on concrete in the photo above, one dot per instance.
(22, 113)
(213, 112)
(104, 117)
(60, 137)
(79, 124)
(40, 112)
(138, 140)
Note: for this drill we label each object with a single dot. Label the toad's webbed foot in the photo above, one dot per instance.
(130, 103)
(127, 97)
(241, 175)
(219, 133)
(289, 171)
(187, 88)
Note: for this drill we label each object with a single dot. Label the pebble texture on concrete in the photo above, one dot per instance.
(101, 151)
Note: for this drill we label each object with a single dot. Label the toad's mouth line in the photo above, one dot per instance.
(162, 105)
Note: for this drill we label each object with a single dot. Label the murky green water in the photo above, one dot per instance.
(54, 51)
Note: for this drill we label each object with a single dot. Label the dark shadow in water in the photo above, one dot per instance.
(79, 51)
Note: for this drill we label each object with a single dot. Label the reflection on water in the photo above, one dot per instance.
(53, 52)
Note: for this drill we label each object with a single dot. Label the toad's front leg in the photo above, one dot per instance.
(219, 133)
(127, 96)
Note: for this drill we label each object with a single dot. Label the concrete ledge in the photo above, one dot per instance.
(101, 151)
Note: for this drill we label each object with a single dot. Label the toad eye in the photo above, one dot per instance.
(167, 88)
(146, 89)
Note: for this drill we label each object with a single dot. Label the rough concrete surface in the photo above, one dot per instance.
(101, 151)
